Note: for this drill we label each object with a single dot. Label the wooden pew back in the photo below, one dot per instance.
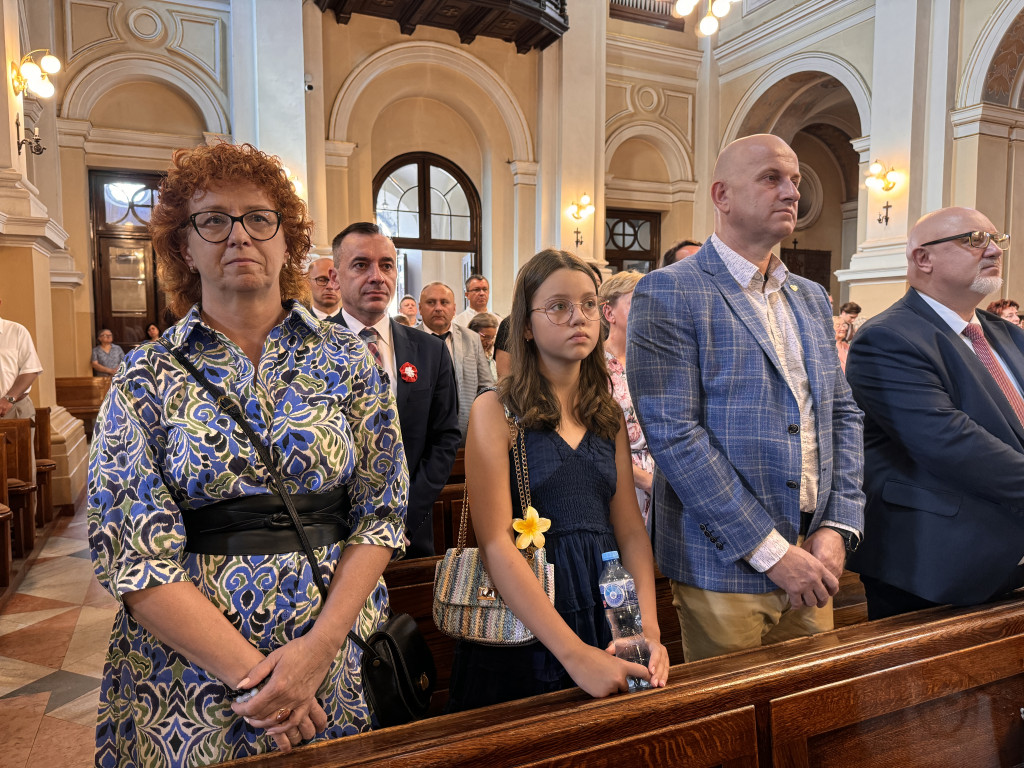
(82, 396)
(44, 448)
(19, 455)
(919, 685)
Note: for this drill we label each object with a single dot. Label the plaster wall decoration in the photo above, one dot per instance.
(618, 101)
(200, 39)
(88, 23)
(145, 24)
(388, 59)
(974, 81)
(647, 98)
(1001, 80)
(809, 207)
(678, 111)
(674, 150)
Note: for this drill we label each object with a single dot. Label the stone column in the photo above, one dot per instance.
(268, 97)
(571, 131)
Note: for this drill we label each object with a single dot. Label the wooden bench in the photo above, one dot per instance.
(21, 484)
(445, 518)
(6, 522)
(935, 689)
(45, 465)
(82, 396)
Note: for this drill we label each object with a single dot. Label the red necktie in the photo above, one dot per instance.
(369, 335)
(988, 359)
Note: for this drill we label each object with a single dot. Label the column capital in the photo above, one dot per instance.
(338, 152)
(524, 172)
(986, 120)
(862, 147)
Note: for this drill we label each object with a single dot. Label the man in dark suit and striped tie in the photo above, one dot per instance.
(940, 385)
(418, 366)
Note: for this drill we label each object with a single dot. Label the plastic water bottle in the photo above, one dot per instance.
(622, 609)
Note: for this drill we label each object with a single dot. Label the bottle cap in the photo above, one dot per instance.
(613, 555)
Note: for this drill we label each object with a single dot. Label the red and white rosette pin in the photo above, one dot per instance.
(408, 372)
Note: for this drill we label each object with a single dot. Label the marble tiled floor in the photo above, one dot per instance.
(53, 638)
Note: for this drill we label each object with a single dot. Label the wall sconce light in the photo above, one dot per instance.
(582, 210)
(35, 144)
(35, 77)
(880, 177)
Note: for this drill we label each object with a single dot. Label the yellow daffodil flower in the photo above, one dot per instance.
(530, 529)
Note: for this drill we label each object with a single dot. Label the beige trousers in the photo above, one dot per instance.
(714, 623)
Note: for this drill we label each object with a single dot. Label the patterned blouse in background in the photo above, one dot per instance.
(111, 359)
(163, 445)
(637, 442)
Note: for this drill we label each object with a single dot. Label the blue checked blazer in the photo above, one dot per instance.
(717, 412)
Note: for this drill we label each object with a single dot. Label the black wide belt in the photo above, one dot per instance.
(261, 525)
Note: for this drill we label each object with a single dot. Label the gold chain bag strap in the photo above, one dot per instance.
(467, 605)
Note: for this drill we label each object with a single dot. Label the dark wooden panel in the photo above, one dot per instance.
(890, 697)
(528, 24)
(729, 738)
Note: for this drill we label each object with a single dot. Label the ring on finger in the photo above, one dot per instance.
(282, 714)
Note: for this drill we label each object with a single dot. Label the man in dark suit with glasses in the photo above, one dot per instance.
(940, 385)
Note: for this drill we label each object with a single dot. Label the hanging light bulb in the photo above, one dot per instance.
(708, 25)
(50, 64)
(720, 8)
(685, 7)
(876, 168)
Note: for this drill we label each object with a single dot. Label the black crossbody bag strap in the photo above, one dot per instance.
(232, 409)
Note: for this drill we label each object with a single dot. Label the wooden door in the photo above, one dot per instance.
(632, 240)
(814, 265)
(125, 286)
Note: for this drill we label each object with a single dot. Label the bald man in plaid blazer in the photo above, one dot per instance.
(734, 375)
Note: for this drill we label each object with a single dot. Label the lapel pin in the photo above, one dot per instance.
(408, 372)
(793, 286)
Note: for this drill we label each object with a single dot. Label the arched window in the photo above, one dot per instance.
(431, 210)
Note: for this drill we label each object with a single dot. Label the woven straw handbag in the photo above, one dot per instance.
(467, 605)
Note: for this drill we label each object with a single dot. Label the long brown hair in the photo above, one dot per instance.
(525, 390)
(194, 171)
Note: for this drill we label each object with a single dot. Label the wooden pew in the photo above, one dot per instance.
(82, 396)
(45, 465)
(21, 485)
(445, 519)
(6, 521)
(935, 689)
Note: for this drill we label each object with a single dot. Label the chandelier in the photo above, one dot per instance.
(716, 9)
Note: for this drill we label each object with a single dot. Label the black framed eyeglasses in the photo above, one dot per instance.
(322, 281)
(560, 311)
(215, 226)
(979, 238)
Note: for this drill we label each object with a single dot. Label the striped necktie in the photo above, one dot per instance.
(988, 359)
(369, 335)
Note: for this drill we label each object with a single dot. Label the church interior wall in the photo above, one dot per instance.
(825, 233)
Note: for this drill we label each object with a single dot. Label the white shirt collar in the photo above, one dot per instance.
(382, 326)
(743, 270)
(951, 318)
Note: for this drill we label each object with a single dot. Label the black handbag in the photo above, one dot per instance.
(398, 668)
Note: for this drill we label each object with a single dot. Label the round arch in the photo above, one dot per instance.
(674, 150)
(972, 84)
(391, 58)
(98, 78)
(825, 63)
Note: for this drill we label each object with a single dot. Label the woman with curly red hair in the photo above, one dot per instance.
(223, 646)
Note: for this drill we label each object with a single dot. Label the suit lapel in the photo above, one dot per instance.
(970, 359)
(403, 354)
(738, 301)
(457, 352)
(820, 372)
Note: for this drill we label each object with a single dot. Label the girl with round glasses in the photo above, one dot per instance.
(223, 647)
(581, 480)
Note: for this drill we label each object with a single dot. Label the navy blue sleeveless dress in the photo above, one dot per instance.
(572, 488)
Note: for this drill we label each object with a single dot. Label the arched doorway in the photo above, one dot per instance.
(431, 210)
